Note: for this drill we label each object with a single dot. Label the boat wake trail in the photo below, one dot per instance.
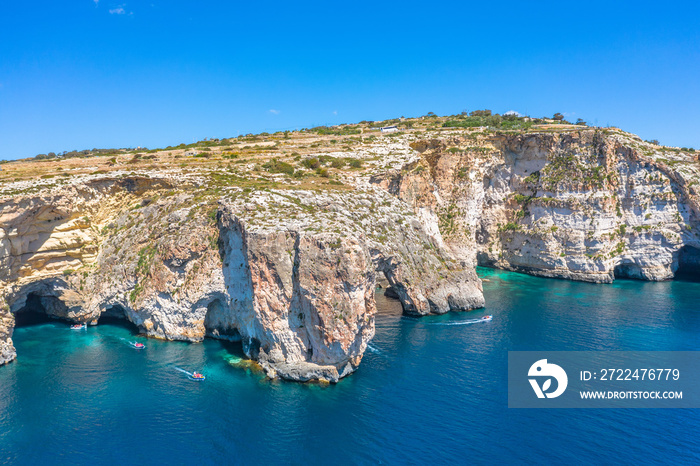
(462, 322)
(190, 374)
(374, 349)
(133, 344)
(196, 376)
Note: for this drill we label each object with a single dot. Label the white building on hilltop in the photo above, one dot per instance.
(389, 129)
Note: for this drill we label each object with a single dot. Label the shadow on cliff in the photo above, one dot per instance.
(34, 312)
(688, 264)
(120, 322)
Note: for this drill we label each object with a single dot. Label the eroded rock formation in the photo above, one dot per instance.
(291, 273)
(587, 205)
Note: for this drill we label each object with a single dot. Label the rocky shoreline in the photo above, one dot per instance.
(290, 271)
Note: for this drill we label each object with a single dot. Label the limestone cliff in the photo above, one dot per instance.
(277, 241)
(587, 205)
(7, 324)
(290, 273)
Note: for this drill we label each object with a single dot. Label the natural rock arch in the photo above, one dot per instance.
(50, 298)
(116, 314)
(218, 322)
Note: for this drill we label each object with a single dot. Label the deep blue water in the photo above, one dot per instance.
(432, 390)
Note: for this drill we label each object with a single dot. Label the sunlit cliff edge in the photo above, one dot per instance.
(280, 240)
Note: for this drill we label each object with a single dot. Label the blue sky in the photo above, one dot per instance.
(85, 73)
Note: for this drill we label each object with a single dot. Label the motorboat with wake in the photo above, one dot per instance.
(136, 345)
(198, 376)
(480, 320)
(79, 326)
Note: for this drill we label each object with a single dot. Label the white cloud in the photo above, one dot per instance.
(117, 11)
(335, 112)
(275, 112)
(96, 2)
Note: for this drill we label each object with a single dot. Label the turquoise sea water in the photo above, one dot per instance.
(429, 390)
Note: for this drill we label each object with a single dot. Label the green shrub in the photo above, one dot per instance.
(277, 166)
(494, 121)
(311, 163)
(521, 198)
(212, 214)
(480, 113)
(510, 226)
(470, 122)
(533, 177)
(340, 131)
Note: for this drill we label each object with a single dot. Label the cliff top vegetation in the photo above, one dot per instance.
(319, 158)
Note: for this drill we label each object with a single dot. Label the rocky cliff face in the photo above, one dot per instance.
(290, 270)
(303, 303)
(290, 273)
(7, 324)
(586, 205)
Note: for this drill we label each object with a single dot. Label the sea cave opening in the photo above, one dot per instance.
(218, 326)
(116, 315)
(217, 322)
(688, 263)
(34, 311)
(628, 270)
(383, 283)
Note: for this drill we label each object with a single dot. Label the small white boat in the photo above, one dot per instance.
(78, 326)
(137, 345)
(487, 318)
